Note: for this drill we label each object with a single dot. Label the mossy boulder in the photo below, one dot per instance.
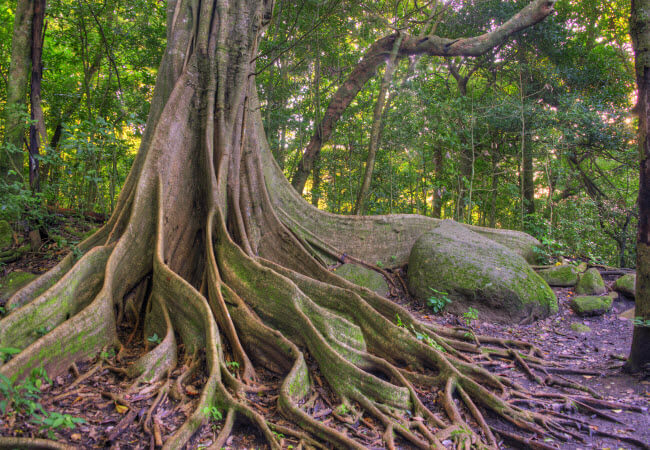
(591, 283)
(591, 305)
(626, 285)
(561, 276)
(365, 277)
(478, 272)
(6, 235)
(11, 283)
(580, 328)
(519, 242)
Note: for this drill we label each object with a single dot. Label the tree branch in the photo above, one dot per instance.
(432, 45)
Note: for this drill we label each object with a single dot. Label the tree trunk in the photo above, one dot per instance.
(216, 251)
(37, 133)
(11, 154)
(640, 31)
(438, 163)
(375, 133)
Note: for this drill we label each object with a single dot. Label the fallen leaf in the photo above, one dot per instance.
(75, 437)
(192, 390)
(121, 408)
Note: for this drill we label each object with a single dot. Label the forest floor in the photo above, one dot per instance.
(114, 417)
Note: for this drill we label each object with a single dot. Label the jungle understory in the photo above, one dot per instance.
(212, 250)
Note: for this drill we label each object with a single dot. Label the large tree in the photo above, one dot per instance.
(209, 244)
(640, 32)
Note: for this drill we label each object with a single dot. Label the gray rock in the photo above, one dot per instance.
(590, 305)
(591, 283)
(626, 285)
(561, 276)
(478, 272)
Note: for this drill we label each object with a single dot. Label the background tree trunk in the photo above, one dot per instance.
(640, 31)
(375, 133)
(37, 132)
(11, 154)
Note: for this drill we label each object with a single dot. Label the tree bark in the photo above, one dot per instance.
(639, 357)
(378, 53)
(527, 170)
(37, 132)
(375, 133)
(11, 154)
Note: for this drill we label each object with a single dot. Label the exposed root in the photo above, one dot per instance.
(11, 443)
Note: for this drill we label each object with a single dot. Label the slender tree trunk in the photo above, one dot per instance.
(375, 133)
(494, 193)
(640, 31)
(37, 132)
(316, 182)
(527, 181)
(11, 153)
(438, 162)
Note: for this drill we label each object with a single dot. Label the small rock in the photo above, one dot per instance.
(591, 283)
(560, 276)
(589, 305)
(626, 285)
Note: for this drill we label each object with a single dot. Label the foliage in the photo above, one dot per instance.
(22, 399)
(640, 322)
(438, 300)
(155, 339)
(470, 316)
(212, 413)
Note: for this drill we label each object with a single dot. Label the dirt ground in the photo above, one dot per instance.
(114, 417)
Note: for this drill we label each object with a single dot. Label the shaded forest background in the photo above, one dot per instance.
(537, 135)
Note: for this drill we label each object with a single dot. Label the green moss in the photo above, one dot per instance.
(362, 276)
(6, 234)
(626, 285)
(299, 385)
(561, 276)
(580, 328)
(10, 284)
(589, 305)
(591, 283)
(477, 272)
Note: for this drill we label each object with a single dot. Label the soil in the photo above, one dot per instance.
(114, 416)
